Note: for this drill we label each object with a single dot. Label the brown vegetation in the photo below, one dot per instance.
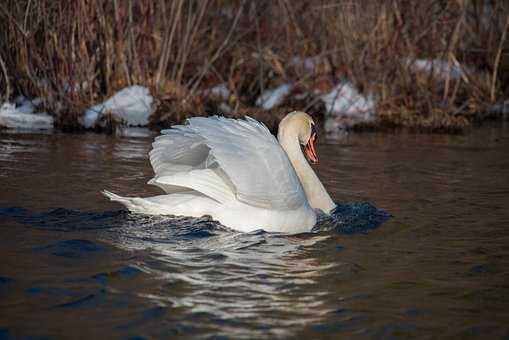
(75, 53)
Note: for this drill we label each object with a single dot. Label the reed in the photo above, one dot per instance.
(76, 53)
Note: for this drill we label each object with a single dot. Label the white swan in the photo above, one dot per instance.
(237, 172)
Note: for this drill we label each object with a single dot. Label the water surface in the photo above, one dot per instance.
(75, 265)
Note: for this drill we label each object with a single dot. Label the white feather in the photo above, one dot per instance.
(205, 181)
(242, 153)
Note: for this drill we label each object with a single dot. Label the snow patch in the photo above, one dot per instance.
(439, 68)
(314, 64)
(346, 107)
(309, 64)
(500, 108)
(22, 117)
(269, 99)
(25, 105)
(220, 91)
(225, 108)
(132, 104)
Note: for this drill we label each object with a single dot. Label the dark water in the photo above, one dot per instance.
(74, 265)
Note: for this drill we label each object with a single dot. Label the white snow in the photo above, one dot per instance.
(90, 118)
(23, 117)
(441, 69)
(346, 106)
(132, 104)
(225, 108)
(309, 64)
(501, 108)
(274, 97)
(26, 105)
(220, 91)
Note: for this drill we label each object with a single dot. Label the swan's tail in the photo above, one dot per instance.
(111, 196)
(181, 204)
(131, 203)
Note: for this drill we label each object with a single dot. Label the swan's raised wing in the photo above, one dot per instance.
(253, 161)
(181, 161)
(244, 157)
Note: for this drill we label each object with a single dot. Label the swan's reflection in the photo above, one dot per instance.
(265, 280)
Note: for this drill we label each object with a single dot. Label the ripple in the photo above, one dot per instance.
(124, 273)
(71, 248)
(61, 219)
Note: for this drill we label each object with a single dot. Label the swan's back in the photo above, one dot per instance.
(227, 159)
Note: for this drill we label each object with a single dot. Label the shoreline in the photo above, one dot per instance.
(499, 121)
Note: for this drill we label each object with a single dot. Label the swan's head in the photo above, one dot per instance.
(301, 125)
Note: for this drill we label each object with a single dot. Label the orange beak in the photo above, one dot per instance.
(310, 149)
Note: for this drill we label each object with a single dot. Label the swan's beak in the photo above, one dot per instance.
(310, 149)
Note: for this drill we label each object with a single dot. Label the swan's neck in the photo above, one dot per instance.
(316, 194)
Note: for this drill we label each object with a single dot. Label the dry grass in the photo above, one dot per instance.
(76, 53)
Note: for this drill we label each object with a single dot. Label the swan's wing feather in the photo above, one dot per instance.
(253, 161)
(206, 181)
(245, 160)
(178, 151)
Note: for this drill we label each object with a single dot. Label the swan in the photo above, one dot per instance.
(237, 172)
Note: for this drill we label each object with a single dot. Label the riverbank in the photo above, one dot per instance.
(441, 67)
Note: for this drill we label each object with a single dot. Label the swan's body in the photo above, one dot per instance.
(238, 173)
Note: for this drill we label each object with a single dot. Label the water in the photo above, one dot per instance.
(75, 265)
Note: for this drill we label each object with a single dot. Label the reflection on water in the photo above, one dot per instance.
(258, 281)
(74, 264)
